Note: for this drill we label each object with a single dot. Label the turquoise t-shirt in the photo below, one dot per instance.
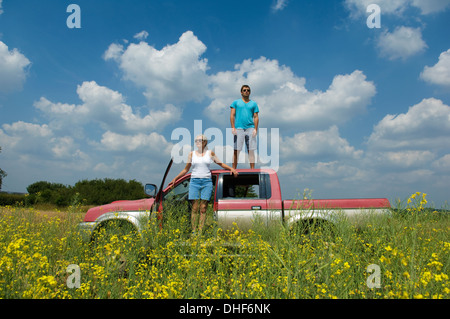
(244, 113)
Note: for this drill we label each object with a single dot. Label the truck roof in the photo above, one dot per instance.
(245, 170)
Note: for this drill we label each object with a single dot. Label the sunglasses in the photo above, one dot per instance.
(245, 90)
(199, 140)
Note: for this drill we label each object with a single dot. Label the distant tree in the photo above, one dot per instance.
(2, 173)
(43, 186)
(90, 192)
(103, 191)
(46, 192)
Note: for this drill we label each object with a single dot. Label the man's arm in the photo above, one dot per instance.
(256, 121)
(223, 165)
(232, 119)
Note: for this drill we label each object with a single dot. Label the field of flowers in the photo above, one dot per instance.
(410, 250)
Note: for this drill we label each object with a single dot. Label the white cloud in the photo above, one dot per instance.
(25, 139)
(405, 153)
(62, 146)
(114, 52)
(33, 152)
(410, 146)
(56, 150)
(443, 163)
(279, 5)
(336, 171)
(426, 125)
(173, 74)
(403, 43)
(318, 144)
(358, 7)
(13, 68)
(431, 6)
(283, 99)
(107, 107)
(30, 129)
(177, 73)
(396, 7)
(141, 35)
(404, 159)
(146, 143)
(1, 9)
(440, 72)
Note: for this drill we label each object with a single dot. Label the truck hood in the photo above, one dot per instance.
(119, 206)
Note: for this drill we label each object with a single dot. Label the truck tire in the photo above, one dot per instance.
(102, 243)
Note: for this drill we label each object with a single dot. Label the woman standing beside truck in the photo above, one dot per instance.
(200, 186)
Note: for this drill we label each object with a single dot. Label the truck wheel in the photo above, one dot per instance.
(111, 228)
(116, 242)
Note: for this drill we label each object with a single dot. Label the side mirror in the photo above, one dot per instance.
(151, 190)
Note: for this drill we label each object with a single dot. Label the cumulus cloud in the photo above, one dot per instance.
(426, 125)
(403, 43)
(107, 107)
(431, 6)
(402, 159)
(283, 98)
(176, 73)
(358, 7)
(30, 129)
(59, 144)
(440, 72)
(13, 68)
(114, 52)
(405, 149)
(443, 163)
(152, 142)
(318, 144)
(28, 140)
(397, 7)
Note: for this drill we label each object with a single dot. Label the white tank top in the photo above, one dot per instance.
(200, 165)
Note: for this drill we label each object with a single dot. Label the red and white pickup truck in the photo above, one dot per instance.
(253, 194)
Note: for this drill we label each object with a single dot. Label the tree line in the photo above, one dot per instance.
(84, 192)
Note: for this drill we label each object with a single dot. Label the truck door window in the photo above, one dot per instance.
(244, 186)
(179, 192)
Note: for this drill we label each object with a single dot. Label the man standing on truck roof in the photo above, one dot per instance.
(244, 125)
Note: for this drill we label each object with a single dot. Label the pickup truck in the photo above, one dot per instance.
(253, 194)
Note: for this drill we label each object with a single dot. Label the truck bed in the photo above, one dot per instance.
(336, 203)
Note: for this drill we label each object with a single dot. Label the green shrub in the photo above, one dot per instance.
(87, 192)
(11, 199)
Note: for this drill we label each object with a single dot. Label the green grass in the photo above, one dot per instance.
(411, 248)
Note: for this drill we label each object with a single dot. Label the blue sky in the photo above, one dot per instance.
(361, 112)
